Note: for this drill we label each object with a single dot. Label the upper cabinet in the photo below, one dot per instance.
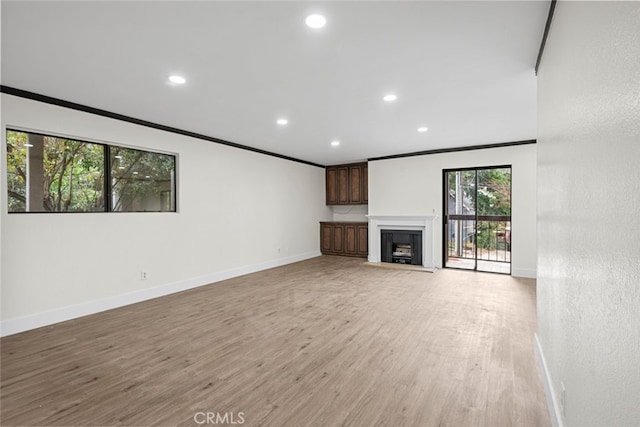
(347, 184)
(365, 183)
(331, 182)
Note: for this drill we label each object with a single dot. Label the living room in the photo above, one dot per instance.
(245, 209)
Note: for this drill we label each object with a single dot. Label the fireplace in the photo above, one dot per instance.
(401, 246)
(424, 224)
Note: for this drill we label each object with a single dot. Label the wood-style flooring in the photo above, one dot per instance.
(324, 342)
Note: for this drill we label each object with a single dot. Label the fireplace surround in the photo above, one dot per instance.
(377, 223)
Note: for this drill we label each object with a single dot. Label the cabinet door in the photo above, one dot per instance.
(351, 239)
(355, 184)
(363, 240)
(343, 185)
(338, 239)
(365, 183)
(325, 238)
(331, 178)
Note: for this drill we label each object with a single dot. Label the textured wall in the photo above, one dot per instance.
(589, 211)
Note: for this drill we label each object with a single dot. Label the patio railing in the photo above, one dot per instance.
(488, 239)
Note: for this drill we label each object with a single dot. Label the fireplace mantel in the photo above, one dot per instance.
(395, 222)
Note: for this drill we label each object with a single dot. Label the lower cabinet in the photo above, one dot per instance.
(344, 238)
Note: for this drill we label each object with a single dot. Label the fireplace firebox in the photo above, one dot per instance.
(401, 246)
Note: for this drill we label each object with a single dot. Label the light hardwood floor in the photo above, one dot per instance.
(325, 342)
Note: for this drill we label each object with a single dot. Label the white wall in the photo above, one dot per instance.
(589, 212)
(413, 186)
(350, 213)
(238, 212)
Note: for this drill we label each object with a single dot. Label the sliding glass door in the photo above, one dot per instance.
(477, 219)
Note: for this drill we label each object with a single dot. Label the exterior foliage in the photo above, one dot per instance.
(72, 174)
(49, 174)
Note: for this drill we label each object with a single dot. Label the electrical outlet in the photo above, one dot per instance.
(563, 400)
(144, 275)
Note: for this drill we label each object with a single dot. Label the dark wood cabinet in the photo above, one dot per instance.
(351, 232)
(343, 186)
(365, 183)
(332, 186)
(344, 238)
(363, 240)
(337, 240)
(347, 184)
(355, 185)
(326, 231)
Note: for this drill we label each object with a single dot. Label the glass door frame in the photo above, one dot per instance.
(475, 217)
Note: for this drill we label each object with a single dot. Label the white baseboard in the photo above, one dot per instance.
(523, 272)
(552, 402)
(21, 324)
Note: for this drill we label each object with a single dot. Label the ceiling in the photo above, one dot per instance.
(465, 70)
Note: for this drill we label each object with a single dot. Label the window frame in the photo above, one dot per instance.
(107, 177)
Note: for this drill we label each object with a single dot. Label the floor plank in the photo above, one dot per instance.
(324, 342)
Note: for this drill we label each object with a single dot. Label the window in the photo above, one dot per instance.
(49, 174)
(53, 174)
(141, 181)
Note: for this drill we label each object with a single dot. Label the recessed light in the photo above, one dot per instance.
(282, 122)
(423, 129)
(179, 80)
(335, 143)
(389, 98)
(315, 21)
